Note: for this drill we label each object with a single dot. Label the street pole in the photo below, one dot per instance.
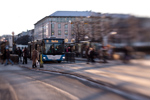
(105, 38)
(41, 61)
(43, 31)
(51, 27)
(13, 42)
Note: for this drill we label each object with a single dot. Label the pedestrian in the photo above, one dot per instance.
(4, 56)
(19, 52)
(99, 54)
(104, 54)
(87, 55)
(25, 56)
(8, 57)
(126, 57)
(92, 54)
(34, 58)
(110, 53)
(69, 49)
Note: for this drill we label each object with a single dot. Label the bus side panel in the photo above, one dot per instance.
(53, 57)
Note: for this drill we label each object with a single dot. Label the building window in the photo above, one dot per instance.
(61, 19)
(73, 19)
(65, 19)
(53, 33)
(66, 32)
(54, 19)
(59, 26)
(72, 34)
(52, 26)
(57, 19)
(66, 26)
(59, 32)
(72, 26)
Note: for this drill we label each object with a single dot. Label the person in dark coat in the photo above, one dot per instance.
(92, 54)
(104, 54)
(8, 57)
(87, 55)
(34, 58)
(126, 54)
(25, 56)
(4, 56)
(19, 52)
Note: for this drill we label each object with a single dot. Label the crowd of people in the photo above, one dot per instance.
(106, 53)
(22, 54)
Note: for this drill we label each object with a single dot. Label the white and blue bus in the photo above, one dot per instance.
(53, 49)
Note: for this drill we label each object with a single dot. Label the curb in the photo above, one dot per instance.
(103, 83)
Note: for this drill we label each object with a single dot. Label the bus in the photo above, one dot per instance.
(52, 49)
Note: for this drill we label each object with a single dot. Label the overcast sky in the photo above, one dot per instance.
(21, 15)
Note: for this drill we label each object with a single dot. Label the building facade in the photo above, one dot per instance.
(60, 24)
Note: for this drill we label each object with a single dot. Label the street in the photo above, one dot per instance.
(22, 84)
(76, 81)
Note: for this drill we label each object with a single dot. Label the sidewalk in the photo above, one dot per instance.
(133, 78)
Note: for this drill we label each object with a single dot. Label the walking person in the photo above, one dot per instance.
(126, 58)
(34, 58)
(19, 52)
(4, 56)
(92, 54)
(87, 55)
(104, 54)
(8, 57)
(25, 56)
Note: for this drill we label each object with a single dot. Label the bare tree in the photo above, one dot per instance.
(79, 30)
(127, 29)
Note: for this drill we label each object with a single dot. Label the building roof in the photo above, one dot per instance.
(75, 13)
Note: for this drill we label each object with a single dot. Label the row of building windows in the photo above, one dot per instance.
(60, 19)
(59, 32)
(59, 26)
(41, 29)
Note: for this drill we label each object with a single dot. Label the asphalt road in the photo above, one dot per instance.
(17, 83)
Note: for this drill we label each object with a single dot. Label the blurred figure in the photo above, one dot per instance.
(92, 54)
(87, 55)
(8, 57)
(4, 56)
(126, 57)
(25, 56)
(110, 53)
(16, 51)
(104, 54)
(34, 58)
(19, 52)
(99, 54)
(69, 49)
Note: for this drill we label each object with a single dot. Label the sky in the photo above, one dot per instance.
(21, 15)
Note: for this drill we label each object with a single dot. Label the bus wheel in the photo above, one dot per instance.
(59, 61)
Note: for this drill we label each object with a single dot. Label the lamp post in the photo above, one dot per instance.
(41, 61)
(105, 38)
(13, 42)
(51, 27)
(43, 31)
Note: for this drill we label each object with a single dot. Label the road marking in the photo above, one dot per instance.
(60, 90)
(13, 92)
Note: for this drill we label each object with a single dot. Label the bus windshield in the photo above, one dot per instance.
(51, 48)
